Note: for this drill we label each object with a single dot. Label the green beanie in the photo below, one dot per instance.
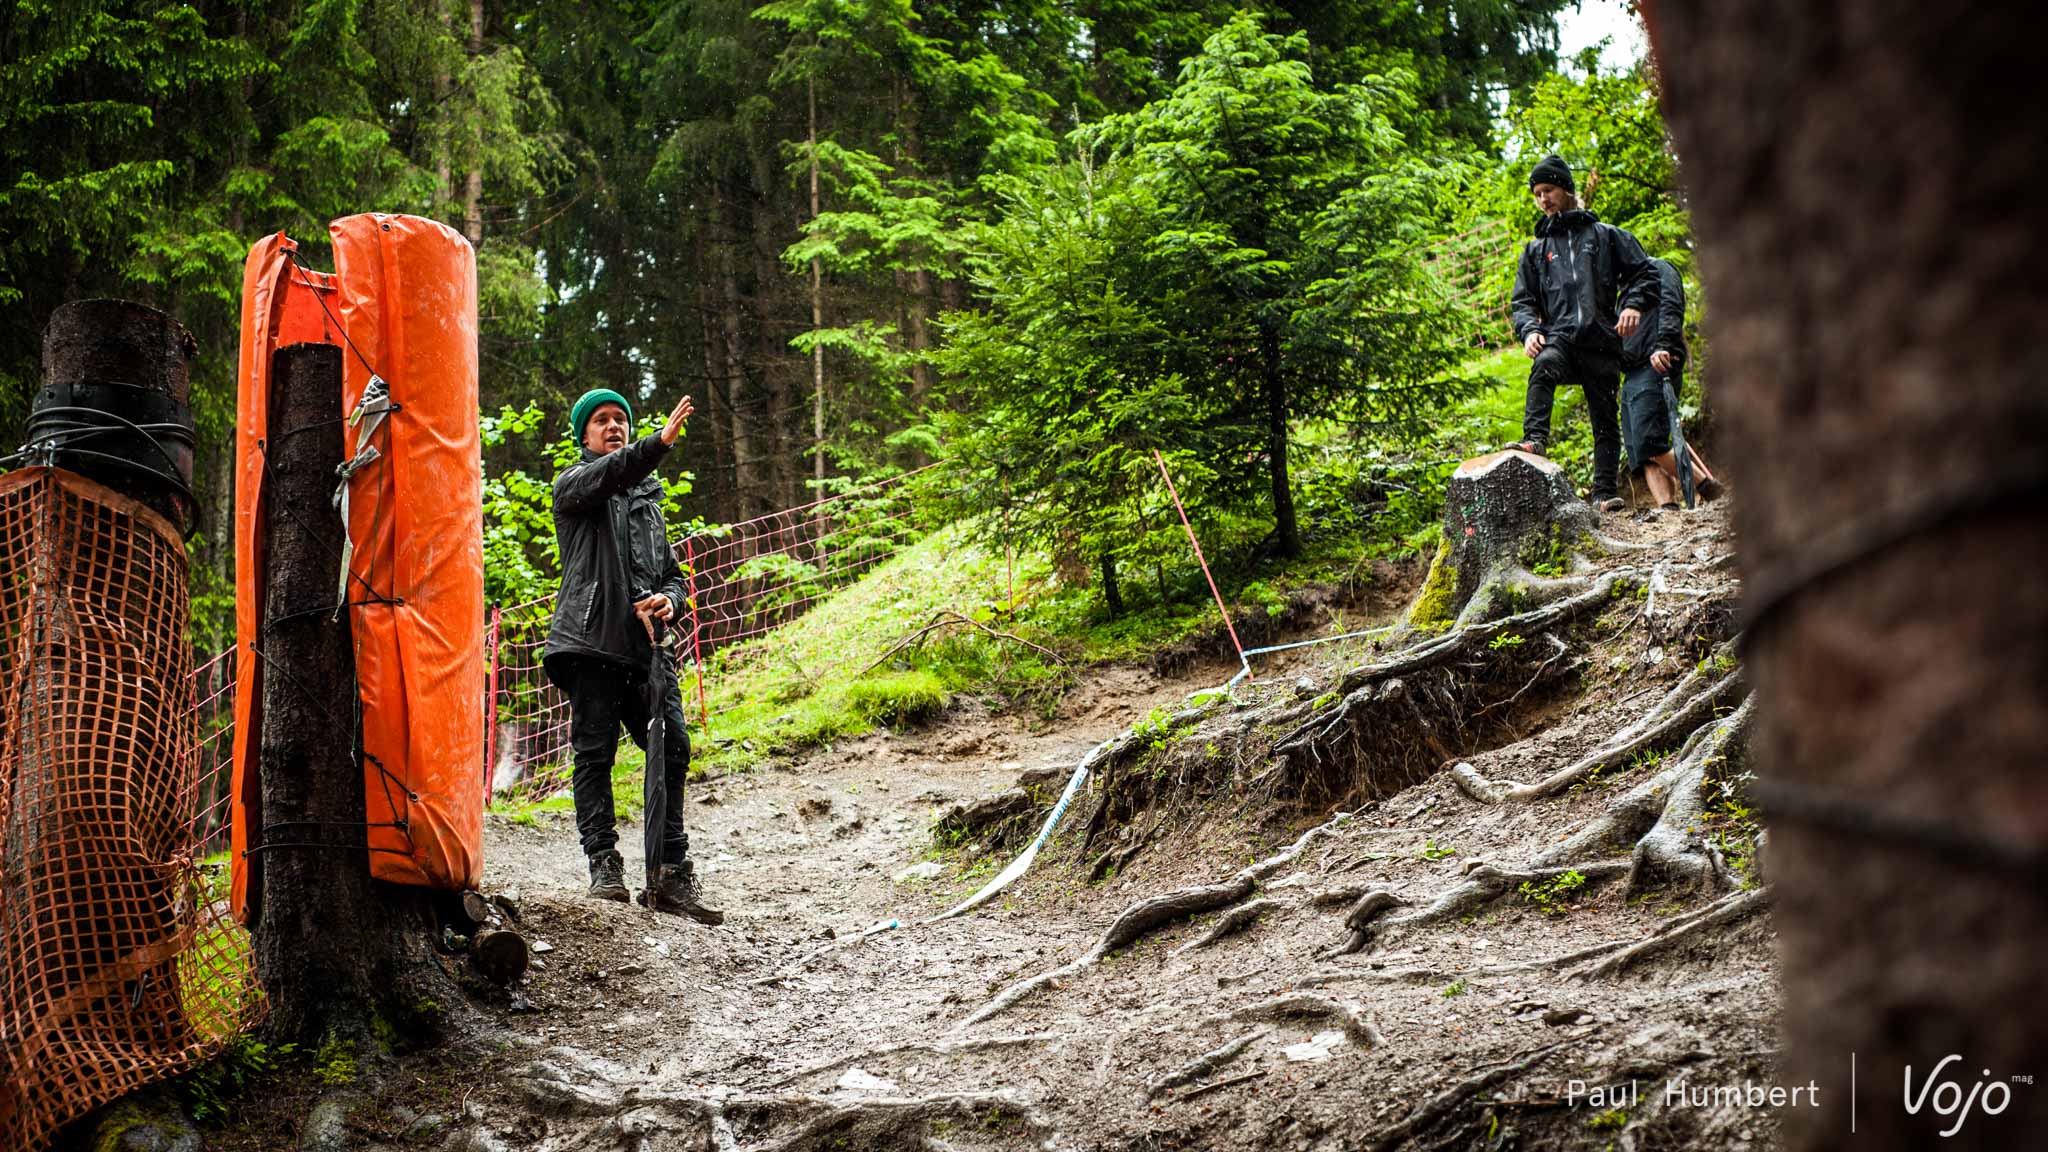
(590, 402)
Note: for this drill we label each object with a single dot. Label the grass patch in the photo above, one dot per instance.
(1557, 895)
(899, 698)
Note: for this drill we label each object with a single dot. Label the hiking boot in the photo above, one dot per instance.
(675, 890)
(1609, 503)
(608, 877)
(1532, 447)
(1709, 488)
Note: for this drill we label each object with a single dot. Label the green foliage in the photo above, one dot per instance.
(1505, 641)
(1158, 729)
(1555, 896)
(334, 1063)
(1612, 1118)
(1455, 988)
(1232, 256)
(210, 1090)
(1431, 850)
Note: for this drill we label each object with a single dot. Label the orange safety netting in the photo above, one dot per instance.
(119, 962)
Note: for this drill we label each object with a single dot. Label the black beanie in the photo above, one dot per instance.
(1552, 170)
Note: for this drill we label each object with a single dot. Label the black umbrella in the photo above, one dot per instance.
(659, 673)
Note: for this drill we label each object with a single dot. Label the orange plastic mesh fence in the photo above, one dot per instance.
(119, 961)
(1476, 271)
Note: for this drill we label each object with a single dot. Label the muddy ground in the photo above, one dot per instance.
(789, 1028)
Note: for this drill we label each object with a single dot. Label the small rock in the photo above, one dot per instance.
(473, 1140)
(814, 807)
(1043, 775)
(929, 870)
(1561, 1017)
(1317, 1047)
(149, 1122)
(860, 1080)
(507, 902)
(326, 1127)
(629, 969)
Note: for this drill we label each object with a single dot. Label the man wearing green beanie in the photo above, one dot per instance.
(619, 581)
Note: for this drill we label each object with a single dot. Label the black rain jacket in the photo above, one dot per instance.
(613, 545)
(1664, 328)
(1571, 274)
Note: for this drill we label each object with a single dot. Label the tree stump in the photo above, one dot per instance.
(1503, 512)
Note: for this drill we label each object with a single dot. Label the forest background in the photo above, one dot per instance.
(1037, 239)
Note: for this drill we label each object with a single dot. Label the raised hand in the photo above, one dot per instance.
(674, 426)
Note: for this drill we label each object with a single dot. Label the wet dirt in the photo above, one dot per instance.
(792, 1027)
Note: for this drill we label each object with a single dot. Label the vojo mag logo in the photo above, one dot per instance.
(1944, 1097)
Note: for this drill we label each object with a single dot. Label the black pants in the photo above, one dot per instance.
(1599, 373)
(601, 698)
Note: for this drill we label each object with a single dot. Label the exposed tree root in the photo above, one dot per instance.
(1204, 1064)
(1335, 897)
(1404, 716)
(1232, 922)
(1219, 1085)
(1665, 724)
(1146, 916)
(1727, 910)
(1450, 1099)
(1297, 1005)
(566, 1083)
(1481, 886)
(935, 1047)
(1658, 816)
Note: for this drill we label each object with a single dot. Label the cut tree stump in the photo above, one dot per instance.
(1503, 512)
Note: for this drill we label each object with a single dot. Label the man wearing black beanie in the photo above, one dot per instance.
(1572, 278)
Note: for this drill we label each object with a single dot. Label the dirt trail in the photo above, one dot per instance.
(785, 1029)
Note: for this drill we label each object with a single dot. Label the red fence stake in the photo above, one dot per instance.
(696, 632)
(491, 712)
(1199, 559)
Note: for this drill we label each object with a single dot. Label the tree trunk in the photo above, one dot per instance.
(746, 484)
(1112, 594)
(785, 460)
(1875, 332)
(1276, 445)
(444, 179)
(817, 313)
(721, 497)
(473, 185)
(335, 950)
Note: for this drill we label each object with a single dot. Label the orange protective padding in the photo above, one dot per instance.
(408, 304)
(282, 304)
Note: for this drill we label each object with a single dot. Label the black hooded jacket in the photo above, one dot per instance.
(1665, 328)
(1570, 276)
(614, 547)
